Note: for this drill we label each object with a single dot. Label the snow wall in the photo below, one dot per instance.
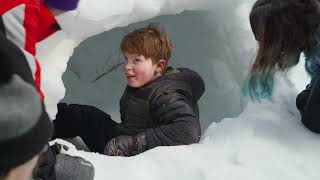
(200, 43)
(262, 141)
(207, 41)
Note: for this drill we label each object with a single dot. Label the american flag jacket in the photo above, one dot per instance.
(26, 22)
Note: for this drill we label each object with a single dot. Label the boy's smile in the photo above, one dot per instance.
(139, 70)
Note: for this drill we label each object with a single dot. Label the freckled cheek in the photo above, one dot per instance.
(139, 72)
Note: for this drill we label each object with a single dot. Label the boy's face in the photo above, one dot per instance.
(139, 70)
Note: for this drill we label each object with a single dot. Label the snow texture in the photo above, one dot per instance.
(265, 141)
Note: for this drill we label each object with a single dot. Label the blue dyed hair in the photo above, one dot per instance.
(312, 58)
(259, 84)
(283, 29)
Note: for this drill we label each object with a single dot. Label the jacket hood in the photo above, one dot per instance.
(186, 80)
(195, 81)
(181, 79)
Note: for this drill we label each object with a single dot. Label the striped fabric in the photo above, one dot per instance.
(2, 28)
(23, 24)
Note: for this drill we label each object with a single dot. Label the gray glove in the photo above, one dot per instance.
(126, 145)
(73, 168)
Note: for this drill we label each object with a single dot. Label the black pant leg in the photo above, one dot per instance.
(98, 132)
(69, 121)
(94, 126)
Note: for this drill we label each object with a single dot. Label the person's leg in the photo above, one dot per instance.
(99, 130)
(94, 126)
(68, 122)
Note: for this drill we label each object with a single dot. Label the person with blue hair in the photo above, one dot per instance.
(284, 29)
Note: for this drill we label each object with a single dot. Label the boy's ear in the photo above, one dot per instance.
(161, 65)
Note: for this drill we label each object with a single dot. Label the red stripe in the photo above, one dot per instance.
(6, 5)
(31, 25)
(46, 22)
(38, 79)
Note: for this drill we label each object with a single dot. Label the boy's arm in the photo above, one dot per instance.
(179, 122)
(179, 125)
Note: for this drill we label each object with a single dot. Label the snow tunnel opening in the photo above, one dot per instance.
(201, 41)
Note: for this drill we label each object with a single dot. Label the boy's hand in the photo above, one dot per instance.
(119, 146)
(126, 145)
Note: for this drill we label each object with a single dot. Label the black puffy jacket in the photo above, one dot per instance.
(308, 102)
(166, 109)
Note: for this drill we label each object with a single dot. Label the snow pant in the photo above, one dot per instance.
(308, 102)
(95, 127)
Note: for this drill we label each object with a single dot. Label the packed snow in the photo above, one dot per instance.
(249, 140)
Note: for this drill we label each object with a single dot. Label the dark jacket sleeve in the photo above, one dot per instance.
(179, 121)
(311, 112)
